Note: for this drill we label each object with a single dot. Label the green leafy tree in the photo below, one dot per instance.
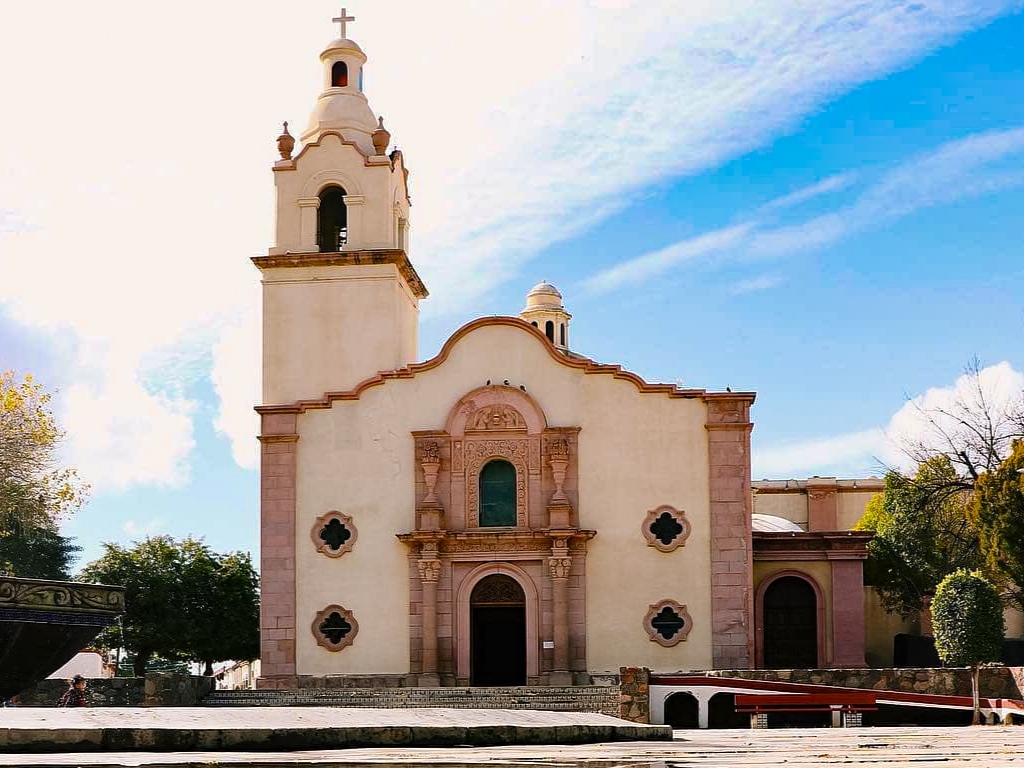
(182, 601)
(922, 534)
(36, 551)
(35, 493)
(126, 665)
(33, 488)
(998, 514)
(223, 605)
(154, 620)
(967, 614)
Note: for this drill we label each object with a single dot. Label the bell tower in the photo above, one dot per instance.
(340, 296)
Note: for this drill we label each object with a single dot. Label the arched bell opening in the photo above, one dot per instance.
(339, 74)
(332, 220)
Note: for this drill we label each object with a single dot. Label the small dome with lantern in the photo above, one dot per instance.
(545, 311)
(342, 106)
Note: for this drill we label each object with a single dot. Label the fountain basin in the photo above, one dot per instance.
(43, 624)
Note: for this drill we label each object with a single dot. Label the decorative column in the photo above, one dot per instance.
(430, 571)
(354, 221)
(430, 509)
(560, 565)
(307, 223)
(559, 509)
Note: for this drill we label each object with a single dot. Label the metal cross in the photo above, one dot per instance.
(343, 19)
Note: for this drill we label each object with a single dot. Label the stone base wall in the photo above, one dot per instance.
(634, 694)
(995, 682)
(155, 690)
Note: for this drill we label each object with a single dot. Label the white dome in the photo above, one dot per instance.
(773, 524)
(343, 108)
(342, 44)
(543, 294)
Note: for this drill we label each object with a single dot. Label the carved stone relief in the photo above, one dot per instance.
(497, 417)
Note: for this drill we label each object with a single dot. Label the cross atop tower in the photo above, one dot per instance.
(343, 20)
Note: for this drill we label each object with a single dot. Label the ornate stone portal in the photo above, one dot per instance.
(451, 551)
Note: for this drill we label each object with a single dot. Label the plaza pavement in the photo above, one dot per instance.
(908, 747)
(180, 729)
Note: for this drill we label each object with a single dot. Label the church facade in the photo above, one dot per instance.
(508, 511)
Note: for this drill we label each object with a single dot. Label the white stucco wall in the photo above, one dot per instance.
(636, 451)
(329, 328)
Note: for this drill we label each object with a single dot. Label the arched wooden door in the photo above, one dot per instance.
(789, 619)
(497, 641)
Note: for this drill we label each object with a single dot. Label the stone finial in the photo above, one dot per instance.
(381, 137)
(285, 143)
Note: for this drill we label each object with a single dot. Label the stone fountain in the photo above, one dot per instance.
(43, 624)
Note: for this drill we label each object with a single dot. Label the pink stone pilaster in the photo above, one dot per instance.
(732, 602)
(848, 613)
(278, 442)
(822, 504)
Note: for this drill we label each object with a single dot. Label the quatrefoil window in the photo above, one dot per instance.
(666, 528)
(333, 534)
(668, 623)
(335, 627)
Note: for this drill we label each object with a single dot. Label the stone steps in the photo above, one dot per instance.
(601, 699)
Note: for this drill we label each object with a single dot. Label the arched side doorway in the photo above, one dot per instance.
(722, 712)
(682, 711)
(497, 641)
(791, 625)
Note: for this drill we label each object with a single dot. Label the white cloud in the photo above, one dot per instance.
(755, 284)
(236, 357)
(868, 451)
(934, 418)
(851, 455)
(956, 170)
(123, 434)
(145, 176)
(640, 269)
(827, 186)
(687, 87)
(136, 530)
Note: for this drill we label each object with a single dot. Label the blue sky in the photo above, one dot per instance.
(818, 201)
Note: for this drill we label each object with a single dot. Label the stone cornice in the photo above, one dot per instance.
(830, 545)
(861, 485)
(347, 259)
(477, 540)
(60, 596)
(570, 361)
(277, 438)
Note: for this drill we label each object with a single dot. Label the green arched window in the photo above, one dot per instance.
(497, 494)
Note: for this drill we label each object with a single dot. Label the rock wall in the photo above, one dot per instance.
(995, 681)
(634, 694)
